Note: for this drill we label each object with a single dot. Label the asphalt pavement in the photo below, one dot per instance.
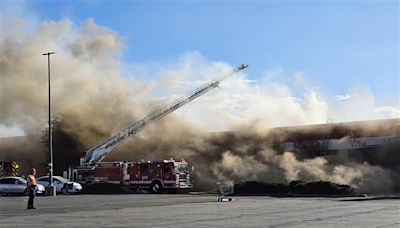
(148, 210)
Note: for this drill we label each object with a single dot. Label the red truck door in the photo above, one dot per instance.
(134, 174)
(144, 175)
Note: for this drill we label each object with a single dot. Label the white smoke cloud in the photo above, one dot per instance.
(239, 100)
(343, 97)
(10, 131)
(392, 112)
(266, 101)
(359, 104)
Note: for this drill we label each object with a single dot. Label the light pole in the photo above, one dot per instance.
(51, 185)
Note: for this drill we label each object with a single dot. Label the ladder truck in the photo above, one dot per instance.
(158, 175)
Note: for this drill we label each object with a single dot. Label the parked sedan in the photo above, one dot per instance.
(17, 185)
(62, 185)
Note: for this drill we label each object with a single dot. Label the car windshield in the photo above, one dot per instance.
(20, 179)
(62, 179)
(180, 167)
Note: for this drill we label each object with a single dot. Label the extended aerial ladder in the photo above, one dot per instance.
(97, 153)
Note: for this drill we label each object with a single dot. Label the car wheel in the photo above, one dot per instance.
(64, 190)
(26, 192)
(156, 187)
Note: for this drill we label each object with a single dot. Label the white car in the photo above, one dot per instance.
(62, 185)
(17, 185)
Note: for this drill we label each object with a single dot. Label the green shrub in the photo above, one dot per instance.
(294, 187)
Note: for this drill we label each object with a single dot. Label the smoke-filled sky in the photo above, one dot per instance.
(309, 62)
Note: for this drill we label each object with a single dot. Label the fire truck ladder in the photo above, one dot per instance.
(98, 152)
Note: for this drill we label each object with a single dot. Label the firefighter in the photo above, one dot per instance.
(31, 182)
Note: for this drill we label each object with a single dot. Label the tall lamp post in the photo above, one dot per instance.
(51, 185)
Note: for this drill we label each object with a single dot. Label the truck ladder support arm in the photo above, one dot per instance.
(98, 152)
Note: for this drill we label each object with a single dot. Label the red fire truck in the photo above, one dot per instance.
(157, 176)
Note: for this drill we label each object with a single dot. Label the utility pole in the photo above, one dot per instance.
(51, 184)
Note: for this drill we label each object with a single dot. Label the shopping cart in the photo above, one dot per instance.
(225, 189)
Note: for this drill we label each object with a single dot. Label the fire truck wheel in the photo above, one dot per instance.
(156, 187)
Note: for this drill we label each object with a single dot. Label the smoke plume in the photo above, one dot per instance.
(95, 96)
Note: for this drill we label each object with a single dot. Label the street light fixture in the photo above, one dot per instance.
(51, 185)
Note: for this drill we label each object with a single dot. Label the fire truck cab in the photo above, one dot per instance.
(157, 176)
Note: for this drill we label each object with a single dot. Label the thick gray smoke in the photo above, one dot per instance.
(244, 156)
(94, 99)
(88, 89)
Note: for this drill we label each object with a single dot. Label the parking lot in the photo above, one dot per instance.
(147, 210)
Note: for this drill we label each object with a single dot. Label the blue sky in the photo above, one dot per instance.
(336, 44)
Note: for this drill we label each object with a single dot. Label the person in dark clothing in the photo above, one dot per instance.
(31, 182)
